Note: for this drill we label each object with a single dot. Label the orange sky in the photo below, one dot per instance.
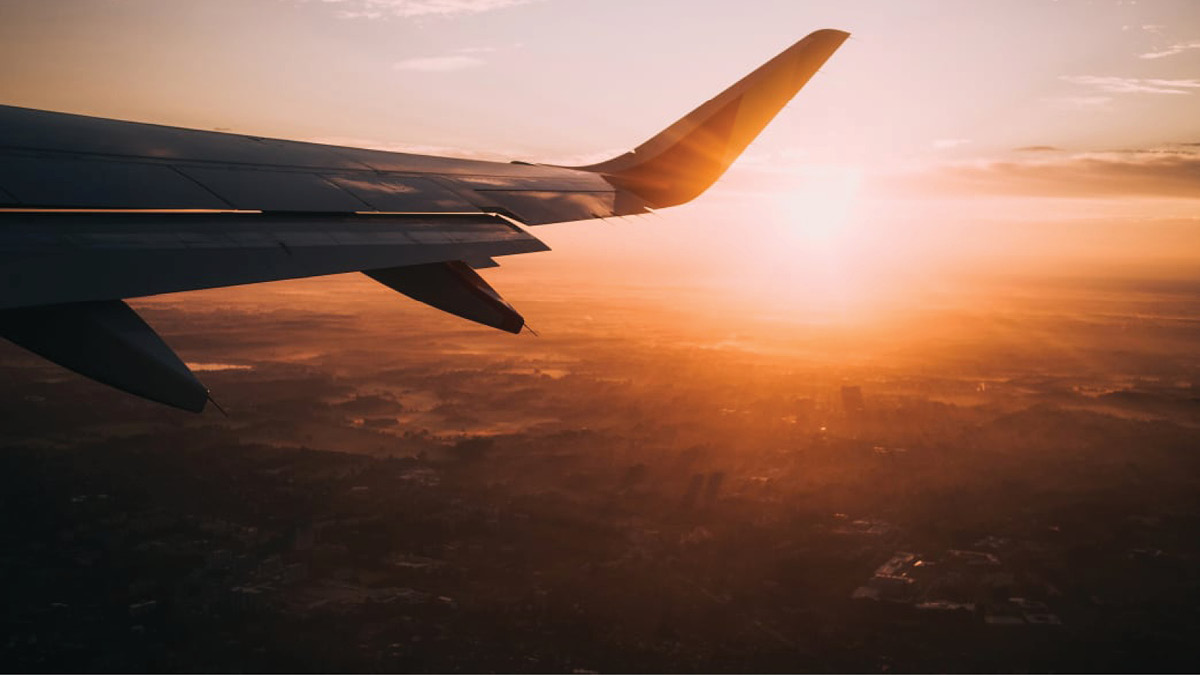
(1020, 135)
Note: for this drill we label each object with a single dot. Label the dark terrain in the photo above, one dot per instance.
(1010, 490)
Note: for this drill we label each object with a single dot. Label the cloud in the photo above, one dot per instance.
(949, 143)
(1038, 148)
(439, 64)
(1172, 50)
(582, 158)
(1172, 172)
(1133, 85)
(460, 59)
(1080, 102)
(379, 9)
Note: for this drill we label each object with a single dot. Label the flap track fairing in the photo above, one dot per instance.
(106, 341)
(455, 288)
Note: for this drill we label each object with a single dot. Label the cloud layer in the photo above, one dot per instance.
(378, 9)
(1134, 85)
(1169, 173)
(1172, 50)
(439, 64)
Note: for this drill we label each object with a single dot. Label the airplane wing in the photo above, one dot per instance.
(93, 211)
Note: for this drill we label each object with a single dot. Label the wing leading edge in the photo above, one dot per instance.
(95, 210)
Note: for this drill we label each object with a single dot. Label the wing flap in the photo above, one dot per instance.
(50, 258)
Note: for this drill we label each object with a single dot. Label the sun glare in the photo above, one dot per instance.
(822, 204)
(805, 268)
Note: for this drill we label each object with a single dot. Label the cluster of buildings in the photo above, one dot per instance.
(973, 584)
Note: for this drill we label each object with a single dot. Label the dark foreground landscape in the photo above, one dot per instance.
(1016, 489)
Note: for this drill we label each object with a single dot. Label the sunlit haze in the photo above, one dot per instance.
(1014, 137)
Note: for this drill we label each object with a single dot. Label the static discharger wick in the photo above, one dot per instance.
(531, 330)
(217, 405)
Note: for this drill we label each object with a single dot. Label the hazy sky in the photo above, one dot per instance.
(941, 130)
(563, 77)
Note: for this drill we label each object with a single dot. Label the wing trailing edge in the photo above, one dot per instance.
(55, 258)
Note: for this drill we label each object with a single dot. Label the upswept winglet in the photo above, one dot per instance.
(687, 157)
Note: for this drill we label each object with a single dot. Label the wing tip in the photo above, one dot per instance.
(685, 159)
